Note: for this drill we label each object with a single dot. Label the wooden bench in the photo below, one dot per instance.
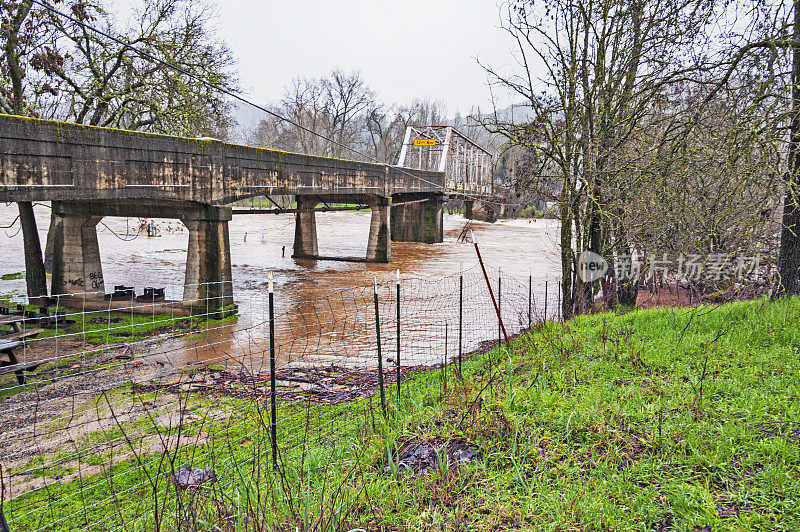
(14, 321)
(13, 365)
(29, 333)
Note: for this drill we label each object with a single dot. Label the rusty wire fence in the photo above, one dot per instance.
(121, 414)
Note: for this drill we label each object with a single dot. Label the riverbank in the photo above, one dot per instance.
(655, 419)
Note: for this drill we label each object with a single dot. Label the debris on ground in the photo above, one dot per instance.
(418, 455)
(188, 476)
(322, 384)
(102, 320)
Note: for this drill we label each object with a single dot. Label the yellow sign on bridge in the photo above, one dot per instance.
(424, 142)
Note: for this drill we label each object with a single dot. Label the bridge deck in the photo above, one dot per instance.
(46, 160)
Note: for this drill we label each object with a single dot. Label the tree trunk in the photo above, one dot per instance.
(566, 261)
(35, 277)
(789, 255)
(595, 238)
(48, 246)
(627, 289)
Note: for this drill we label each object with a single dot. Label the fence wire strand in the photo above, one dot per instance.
(113, 397)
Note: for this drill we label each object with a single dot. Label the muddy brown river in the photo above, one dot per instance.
(324, 309)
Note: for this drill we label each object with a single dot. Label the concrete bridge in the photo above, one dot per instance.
(89, 172)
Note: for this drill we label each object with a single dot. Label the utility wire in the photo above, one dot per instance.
(236, 96)
(139, 232)
(223, 90)
(9, 226)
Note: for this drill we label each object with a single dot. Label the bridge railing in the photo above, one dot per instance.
(44, 160)
(468, 167)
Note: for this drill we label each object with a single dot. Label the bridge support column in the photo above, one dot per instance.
(305, 228)
(76, 255)
(468, 205)
(479, 210)
(418, 218)
(379, 245)
(209, 282)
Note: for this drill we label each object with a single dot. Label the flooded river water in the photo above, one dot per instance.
(324, 309)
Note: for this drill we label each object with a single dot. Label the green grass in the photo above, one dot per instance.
(115, 327)
(12, 276)
(103, 328)
(653, 419)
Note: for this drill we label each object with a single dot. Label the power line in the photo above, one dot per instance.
(221, 89)
(236, 96)
(439, 37)
(413, 41)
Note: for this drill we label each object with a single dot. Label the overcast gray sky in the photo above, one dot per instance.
(404, 49)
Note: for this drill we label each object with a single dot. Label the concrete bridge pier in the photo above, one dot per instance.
(418, 218)
(209, 281)
(305, 228)
(479, 210)
(469, 205)
(77, 268)
(379, 245)
(76, 255)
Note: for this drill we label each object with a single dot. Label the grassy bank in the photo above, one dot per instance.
(653, 420)
(115, 327)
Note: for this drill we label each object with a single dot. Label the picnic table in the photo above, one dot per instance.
(13, 364)
(13, 342)
(17, 331)
(15, 320)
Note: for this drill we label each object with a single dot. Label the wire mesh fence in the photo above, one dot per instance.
(115, 407)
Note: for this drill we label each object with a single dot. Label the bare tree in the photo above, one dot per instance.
(710, 190)
(60, 69)
(347, 97)
(325, 116)
(302, 103)
(789, 257)
(22, 36)
(604, 66)
(102, 83)
(762, 59)
(385, 130)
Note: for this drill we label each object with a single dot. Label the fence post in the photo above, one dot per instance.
(530, 298)
(133, 299)
(558, 301)
(489, 287)
(378, 337)
(499, 305)
(460, 313)
(272, 392)
(444, 361)
(545, 301)
(3, 523)
(398, 341)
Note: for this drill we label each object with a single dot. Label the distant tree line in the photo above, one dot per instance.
(353, 121)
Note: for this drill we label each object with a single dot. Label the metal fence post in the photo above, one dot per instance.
(398, 341)
(273, 405)
(545, 301)
(444, 361)
(558, 302)
(530, 299)
(3, 523)
(499, 305)
(378, 337)
(460, 313)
